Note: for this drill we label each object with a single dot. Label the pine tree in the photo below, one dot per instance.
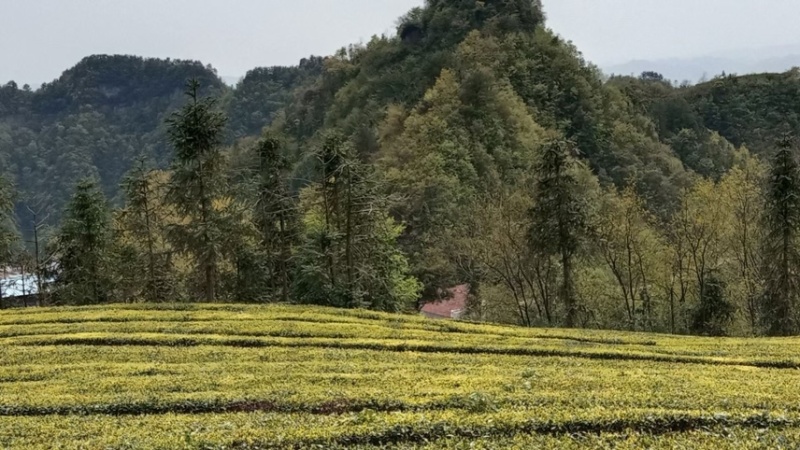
(9, 236)
(559, 218)
(84, 242)
(348, 255)
(196, 184)
(781, 259)
(142, 221)
(274, 214)
(715, 312)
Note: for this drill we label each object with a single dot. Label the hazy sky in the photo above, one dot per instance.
(41, 38)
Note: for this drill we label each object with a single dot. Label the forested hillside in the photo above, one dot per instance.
(105, 113)
(475, 146)
(95, 120)
(747, 110)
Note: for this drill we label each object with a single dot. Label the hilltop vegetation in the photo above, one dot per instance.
(105, 113)
(475, 147)
(746, 110)
(245, 377)
(93, 121)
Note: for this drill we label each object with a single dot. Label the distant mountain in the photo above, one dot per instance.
(740, 62)
(94, 120)
(99, 116)
(747, 110)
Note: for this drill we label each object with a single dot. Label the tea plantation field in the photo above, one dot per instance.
(249, 377)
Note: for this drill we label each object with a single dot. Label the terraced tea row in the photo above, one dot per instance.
(369, 429)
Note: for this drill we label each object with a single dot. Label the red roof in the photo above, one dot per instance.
(450, 308)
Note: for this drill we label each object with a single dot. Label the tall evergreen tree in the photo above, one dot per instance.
(196, 132)
(274, 214)
(9, 236)
(84, 242)
(349, 256)
(715, 312)
(143, 221)
(781, 259)
(559, 218)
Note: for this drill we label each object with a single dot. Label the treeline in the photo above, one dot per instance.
(556, 249)
(569, 252)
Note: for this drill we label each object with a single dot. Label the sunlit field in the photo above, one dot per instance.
(245, 377)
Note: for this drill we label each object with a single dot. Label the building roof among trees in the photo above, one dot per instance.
(452, 308)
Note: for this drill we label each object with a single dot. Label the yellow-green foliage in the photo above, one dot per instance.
(248, 377)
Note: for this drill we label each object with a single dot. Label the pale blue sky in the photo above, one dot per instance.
(41, 38)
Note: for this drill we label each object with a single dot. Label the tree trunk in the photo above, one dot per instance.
(151, 263)
(283, 263)
(211, 282)
(672, 309)
(348, 250)
(566, 290)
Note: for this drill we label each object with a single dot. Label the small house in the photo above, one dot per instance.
(454, 307)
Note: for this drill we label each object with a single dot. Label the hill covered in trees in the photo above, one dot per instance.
(746, 110)
(95, 120)
(474, 146)
(103, 114)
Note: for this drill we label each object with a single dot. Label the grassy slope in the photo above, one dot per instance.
(222, 376)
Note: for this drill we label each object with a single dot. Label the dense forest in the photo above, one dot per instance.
(475, 146)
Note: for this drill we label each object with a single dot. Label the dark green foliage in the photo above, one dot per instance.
(92, 121)
(275, 216)
(14, 100)
(8, 227)
(567, 94)
(262, 94)
(358, 82)
(348, 255)
(306, 113)
(701, 149)
(84, 245)
(447, 22)
(112, 81)
(559, 218)
(248, 281)
(746, 110)
(715, 313)
(325, 250)
(707, 154)
(749, 110)
(658, 99)
(146, 263)
(552, 75)
(9, 236)
(196, 184)
(781, 259)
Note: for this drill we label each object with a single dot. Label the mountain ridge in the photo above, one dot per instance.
(698, 69)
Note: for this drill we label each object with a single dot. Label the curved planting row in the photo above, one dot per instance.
(112, 340)
(370, 429)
